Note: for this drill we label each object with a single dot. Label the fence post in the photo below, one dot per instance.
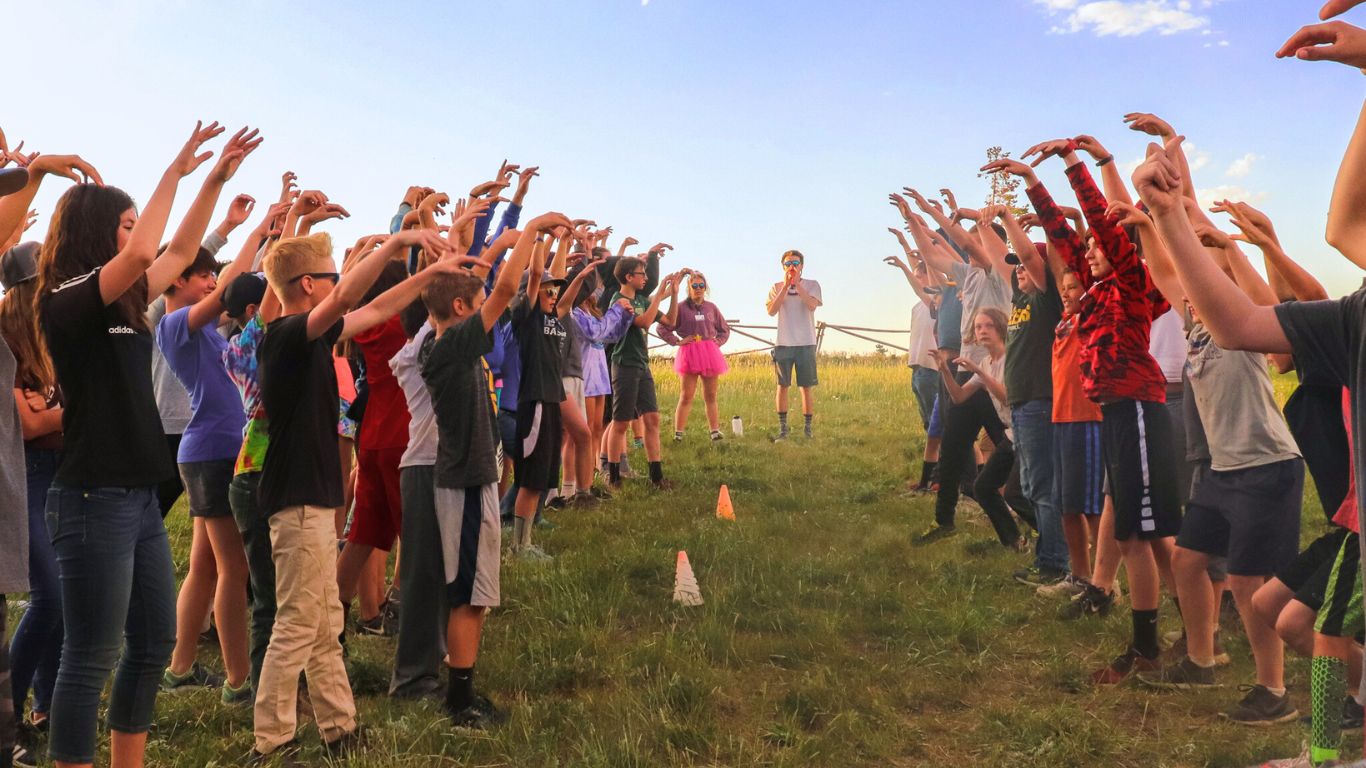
(820, 335)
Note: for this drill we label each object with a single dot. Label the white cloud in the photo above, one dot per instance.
(1207, 196)
(1242, 166)
(1125, 18)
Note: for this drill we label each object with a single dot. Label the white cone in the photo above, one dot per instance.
(686, 590)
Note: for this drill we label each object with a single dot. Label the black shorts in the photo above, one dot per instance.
(1078, 468)
(1307, 574)
(1252, 515)
(1141, 469)
(206, 485)
(1341, 614)
(801, 358)
(536, 456)
(633, 392)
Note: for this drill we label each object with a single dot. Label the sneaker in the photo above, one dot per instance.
(197, 677)
(1177, 648)
(1303, 761)
(583, 500)
(235, 696)
(1351, 715)
(1127, 663)
(662, 484)
(545, 524)
(373, 627)
(1068, 586)
(807, 431)
(1034, 576)
(601, 494)
(531, 554)
(782, 435)
(716, 436)
(479, 715)
(1261, 707)
(1093, 601)
(559, 502)
(286, 752)
(935, 533)
(345, 745)
(24, 758)
(1183, 675)
(678, 437)
(390, 613)
(638, 443)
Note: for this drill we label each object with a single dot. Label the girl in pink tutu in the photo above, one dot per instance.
(698, 329)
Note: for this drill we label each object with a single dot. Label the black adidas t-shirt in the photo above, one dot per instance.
(299, 393)
(539, 338)
(104, 366)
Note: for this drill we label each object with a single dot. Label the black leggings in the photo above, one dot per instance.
(962, 424)
(1002, 470)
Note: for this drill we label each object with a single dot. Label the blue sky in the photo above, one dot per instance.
(734, 130)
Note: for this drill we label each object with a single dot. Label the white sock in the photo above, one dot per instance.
(568, 488)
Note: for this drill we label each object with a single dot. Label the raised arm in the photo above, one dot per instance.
(1347, 211)
(14, 208)
(394, 300)
(992, 243)
(208, 309)
(565, 304)
(649, 316)
(1110, 178)
(1233, 320)
(510, 274)
(1160, 266)
(1146, 122)
(1037, 268)
(1257, 229)
(1243, 274)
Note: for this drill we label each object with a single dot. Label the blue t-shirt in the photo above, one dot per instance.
(215, 429)
(947, 330)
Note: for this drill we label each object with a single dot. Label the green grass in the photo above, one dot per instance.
(827, 638)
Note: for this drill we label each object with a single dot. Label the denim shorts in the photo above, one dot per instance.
(206, 484)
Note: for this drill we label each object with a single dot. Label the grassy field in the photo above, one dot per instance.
(827, 637)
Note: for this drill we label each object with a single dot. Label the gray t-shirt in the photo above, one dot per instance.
(979, 289)
(421, 450)
(796, 321)
(13, 489)
(453, 367)
(1237, 407)
(571, 351)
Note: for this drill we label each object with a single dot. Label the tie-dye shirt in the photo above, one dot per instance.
(240, 360)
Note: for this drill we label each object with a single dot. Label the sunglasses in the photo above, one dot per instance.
(792, 263)
(699, 286)
(550, 290)
(333, 276)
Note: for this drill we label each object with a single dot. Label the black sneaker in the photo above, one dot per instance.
(1351, 714)
(1261, 707)
(373, 627)
(390, 615)
(1183, 675)
(935, 533)
(480, 715)
(1034, 576)
(285, 752)
(583, 500)
(559, 502)
(22, 758)
(716, 436)
(1093, 601)
(345, 745)
(782, 435)
(601, 494)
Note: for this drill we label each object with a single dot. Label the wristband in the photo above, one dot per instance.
(1104, 161)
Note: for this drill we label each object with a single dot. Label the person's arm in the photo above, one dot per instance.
(938, 254)
(1233, 320)
(1347, 210)
(1146, 122)
(648, 317)
(1281, 269)
(1066, 243)
(722, 327)
(1024, 248)
(35, 423)
(492, 257)
(958, 393)
(1244, 275)
(139, 255)
(1159, 261)
(652, 266)
(565, 304)
(627, 243)
(992, 245)
(916, 287)
(365, 269)
(775, 297)
(208, 309)
(994, 386)
(511, 273)
(1110, 178)
(670, 317)
(396, 299)
(666, 332)
(559, 266)
(14, 208)
(239, 210)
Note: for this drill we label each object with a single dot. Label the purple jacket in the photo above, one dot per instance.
(703, 320)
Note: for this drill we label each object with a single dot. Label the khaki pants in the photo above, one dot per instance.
(308, 620)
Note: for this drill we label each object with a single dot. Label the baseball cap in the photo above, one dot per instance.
(547, 278)
(19, 264)
(1039, 248)
(12, 180)
(245, 290)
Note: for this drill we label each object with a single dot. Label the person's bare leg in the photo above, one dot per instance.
(596, 426)
(195, 599)
(616, 440)
(350, 565)
(808, 400)
(1162, 555)
(1267, 650)
(1144, 583)
(1191, 571)
(1275, 603)
(685, 398)
(371, 587)
(126, 750)
(1108, 558)
(345, 448)
(653, 451)
(1074, 531)
(230, 597)
(709, 386)
(931, 449)
(781, 400)
(463, 630)
(577, 434)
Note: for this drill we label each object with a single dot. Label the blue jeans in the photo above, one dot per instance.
(925, 385)
(1033, 426)
(118, 589)
(36, 647)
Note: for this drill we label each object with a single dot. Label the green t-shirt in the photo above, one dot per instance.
(632, 351)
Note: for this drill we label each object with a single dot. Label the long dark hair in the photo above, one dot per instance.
(83, 235)
(19, 326)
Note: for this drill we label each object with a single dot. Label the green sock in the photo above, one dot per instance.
(1327, 687)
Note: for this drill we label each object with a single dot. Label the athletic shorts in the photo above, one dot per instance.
(206, 485)
(573, 390)
(1140, 466)
(1078, 467)
(1307, 575)
(471, 544)
(1341, 614)
(633, 392)
(377, 516)
(536, 461)
(801, 358)
(1252, 515)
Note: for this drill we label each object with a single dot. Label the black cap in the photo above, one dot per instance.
(245, 290)
(1012, 259)
(19, 264)
(12, 180)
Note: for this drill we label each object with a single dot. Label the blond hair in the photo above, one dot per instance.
(294, 256)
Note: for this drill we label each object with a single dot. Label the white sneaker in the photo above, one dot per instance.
(1070, 586)
(531, 553)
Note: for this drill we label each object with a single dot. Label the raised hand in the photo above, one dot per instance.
(899, 236)
(189, 158)
(548, 221)
(1047, 149)
(30, 219)
(1126, 214)
(242, 143)
(308, 202)
(1009, 166)
(1331, 41)
(436, 203)
(1335, 7)
(949, 199)
(1091, 146)
(289, 186)
(239, 210)
(968, 213)
(273, 221)
(1029, 221)
(1256, 226)
(925, 205)
(660, 248)
(506, 170)
(1158, 178)
(66, 165)
(1210, 235)
(489, 188)
(426, 239)
(894, 261)
(629, 241)
(990, 213)
(324, 212)
(901, 205)
(1147, 122)
(468, 214)
(576, 223)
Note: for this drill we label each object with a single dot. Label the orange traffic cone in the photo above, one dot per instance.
(724, 510)
(686, 590)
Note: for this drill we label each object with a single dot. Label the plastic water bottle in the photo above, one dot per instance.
(737, 427)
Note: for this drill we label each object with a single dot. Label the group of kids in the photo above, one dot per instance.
(446, 381)
(1120, 369)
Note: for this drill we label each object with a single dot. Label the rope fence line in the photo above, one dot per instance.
(857, 332)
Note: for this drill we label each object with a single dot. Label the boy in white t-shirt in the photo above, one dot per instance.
(794, 302)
